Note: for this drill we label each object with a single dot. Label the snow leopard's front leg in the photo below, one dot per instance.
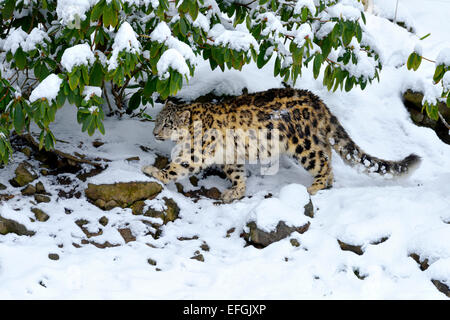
(174, 171)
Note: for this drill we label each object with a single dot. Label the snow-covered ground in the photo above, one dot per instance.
(413, 214)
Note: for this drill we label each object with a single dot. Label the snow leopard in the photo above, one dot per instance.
(304, 128)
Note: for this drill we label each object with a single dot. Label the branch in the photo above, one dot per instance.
(64, 155)
(443, 121)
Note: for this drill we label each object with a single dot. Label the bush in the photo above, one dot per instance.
(120, 55)
(441, 77)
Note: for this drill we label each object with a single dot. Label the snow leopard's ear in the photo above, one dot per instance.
(168, 103)
(184, 116)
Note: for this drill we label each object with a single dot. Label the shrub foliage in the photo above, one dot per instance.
(118, 56)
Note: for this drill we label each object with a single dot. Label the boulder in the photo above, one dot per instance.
(24, 175)
(275, 218)
(167, 215)
(262, 238)
(40, 215)
(11, 226)
(122, 194)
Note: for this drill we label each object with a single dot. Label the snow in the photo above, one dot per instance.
(176, 55)
(412, 213)
(19, 38)
(305, 3)
(234, 39)
(443, 57)
(124, 40)
(171, 58)
(69, 10)
(80, 54)
(14, 40)
(48, 88)
(289, 208)
(89, 91)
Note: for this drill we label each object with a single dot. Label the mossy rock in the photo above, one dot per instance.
(168, 215)
(11, 226)
(40, 215)
(122, 194)
(24, 175)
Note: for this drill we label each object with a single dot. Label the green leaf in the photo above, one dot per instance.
(19, 118)
(8, 9)
(326, 46)
(193, 10)
(347, 33)
(409, 63)
(108, 15)
(316, 65)
(73, 81)
(21, 58)
(439, 73)
(96, 75)
(150, 87)
(97, 11)
(277, 66)
(348, 84)
(135, 101)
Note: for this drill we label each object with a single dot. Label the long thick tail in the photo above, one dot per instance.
(353, 155)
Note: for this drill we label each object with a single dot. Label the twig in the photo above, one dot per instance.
(443, 121)
(106, 97)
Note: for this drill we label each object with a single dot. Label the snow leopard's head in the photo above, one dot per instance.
(170, 119)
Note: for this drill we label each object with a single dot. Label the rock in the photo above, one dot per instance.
(309, 209)
(26, 151)
(111, 204)
(168, 215)
(97, 143)
(151, 262)
(161, 162)
(6, 197)
(133, 159)
(41, 198)
(442, 287)
(24, 175)
(2, 186)
(262, 238)
(40, 188)
(127, 235)
(423, 264)
(229, 232)
(124, 193)
(213, 193)
(358, 274)
(294, 243)
(44, 172)
(40, 215)
(349, 247)
(81, 223)
(29, 190)
(53, 256)
(103, 221)
(198, 256)
(138, 207)
(204, 246)
(11, 226)
(194, 181)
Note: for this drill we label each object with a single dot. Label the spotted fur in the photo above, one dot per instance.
(307, 132)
